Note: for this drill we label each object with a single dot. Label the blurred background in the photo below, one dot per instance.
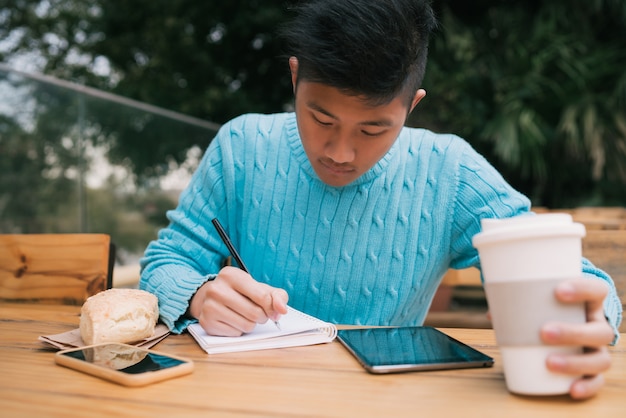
(107, 106)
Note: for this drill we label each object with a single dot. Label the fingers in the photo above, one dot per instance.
(272, 301)
(582, 290)
(588, 291)
(234, 303)
(586, 387)
(217, 319)
(594, 335)
(589, 334)
(596, 331)
(279, 304)
(590, 363)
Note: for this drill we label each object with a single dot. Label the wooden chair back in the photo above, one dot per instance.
(54, 268)
(607, 217)
(606, 249)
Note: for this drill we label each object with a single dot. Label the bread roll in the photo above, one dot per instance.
(118, 315)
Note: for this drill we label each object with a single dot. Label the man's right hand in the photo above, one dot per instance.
(234, 303)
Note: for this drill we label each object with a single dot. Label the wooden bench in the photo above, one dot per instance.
(594, 218)
(604, 246)
(54, 268)
(466, 285)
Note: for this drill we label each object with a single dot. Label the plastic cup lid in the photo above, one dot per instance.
(527, 226)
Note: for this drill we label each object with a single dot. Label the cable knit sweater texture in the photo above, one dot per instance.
(370, 253)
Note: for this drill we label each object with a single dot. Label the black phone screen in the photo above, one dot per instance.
(387, 350)
(124, 358)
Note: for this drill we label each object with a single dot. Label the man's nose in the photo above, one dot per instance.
(340, 148)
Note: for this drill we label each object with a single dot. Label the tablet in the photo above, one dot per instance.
(403, 349)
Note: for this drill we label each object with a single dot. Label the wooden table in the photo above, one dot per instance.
(315, 381)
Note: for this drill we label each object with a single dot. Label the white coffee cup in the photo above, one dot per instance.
(522, 260)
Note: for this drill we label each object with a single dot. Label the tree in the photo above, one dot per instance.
(37, 162)
(540, 88)
(537, 86)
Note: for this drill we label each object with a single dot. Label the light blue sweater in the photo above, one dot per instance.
(372, 252)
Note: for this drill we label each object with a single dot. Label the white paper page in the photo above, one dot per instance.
(293, 322)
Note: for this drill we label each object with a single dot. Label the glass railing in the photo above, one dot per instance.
(62, 169)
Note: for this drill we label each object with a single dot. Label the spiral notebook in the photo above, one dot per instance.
(296, 329)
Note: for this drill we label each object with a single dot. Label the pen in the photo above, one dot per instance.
(233, 251)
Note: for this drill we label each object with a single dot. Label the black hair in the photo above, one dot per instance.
(372, 48)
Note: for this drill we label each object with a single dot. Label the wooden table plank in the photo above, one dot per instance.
(314, 381)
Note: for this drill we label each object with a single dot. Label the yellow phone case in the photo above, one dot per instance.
(124, 364)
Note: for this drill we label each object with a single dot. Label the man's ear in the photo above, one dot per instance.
(293, 67)
(419, 95)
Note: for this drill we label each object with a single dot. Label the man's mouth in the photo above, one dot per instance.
(339, 169)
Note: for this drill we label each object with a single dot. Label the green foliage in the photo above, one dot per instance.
(43, 150)
(131, 220)
(35, 168)
(208, 59)
(538, 87)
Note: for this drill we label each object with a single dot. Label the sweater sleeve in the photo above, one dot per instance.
(612, 303)
(483, 193)
(188, 252)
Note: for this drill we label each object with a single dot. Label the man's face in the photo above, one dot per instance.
(342, 135)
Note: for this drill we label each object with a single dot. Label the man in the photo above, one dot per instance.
(338, 208)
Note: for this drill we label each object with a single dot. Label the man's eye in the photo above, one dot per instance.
(321, 122)
(368, 133)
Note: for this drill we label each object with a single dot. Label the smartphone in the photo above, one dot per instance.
(124, 364)
(404, 349)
